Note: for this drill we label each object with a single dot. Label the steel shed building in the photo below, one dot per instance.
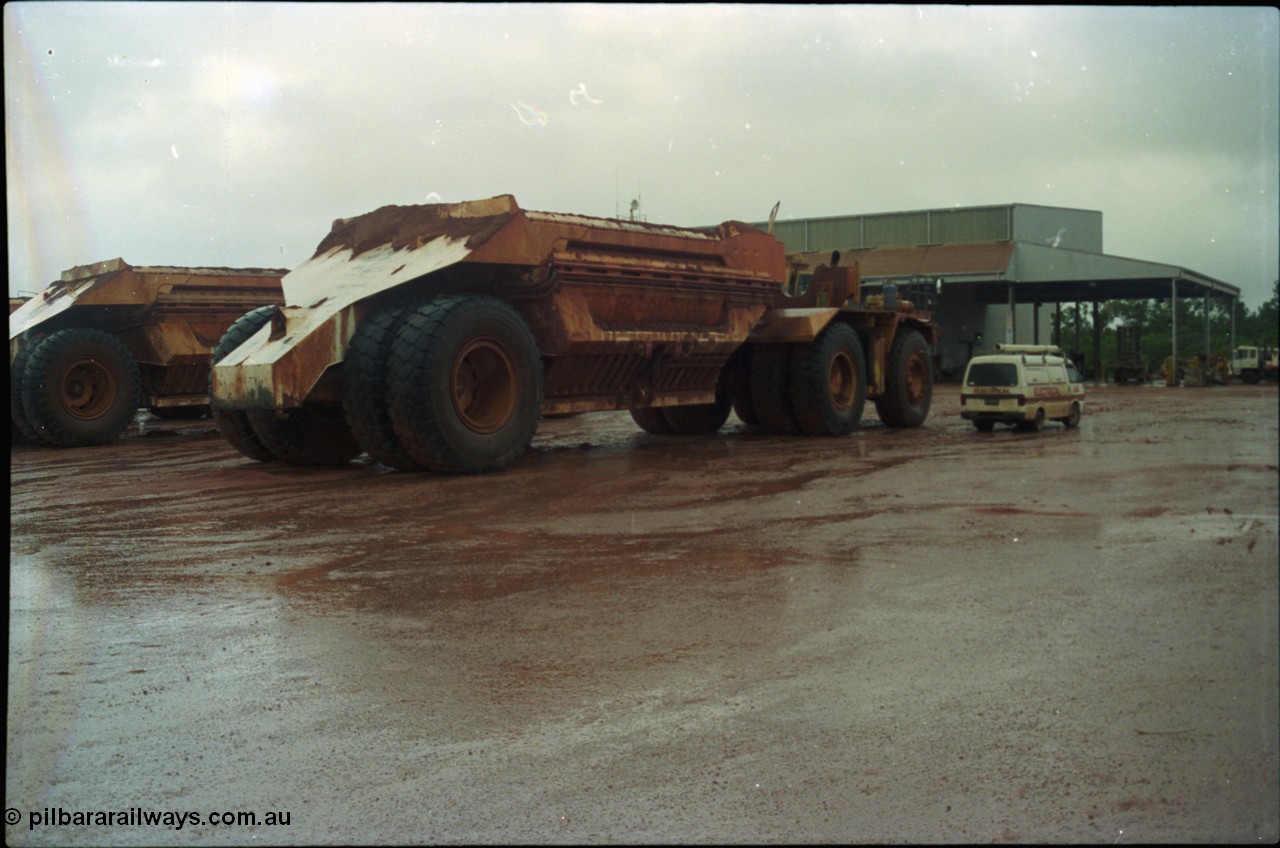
(1000, 273)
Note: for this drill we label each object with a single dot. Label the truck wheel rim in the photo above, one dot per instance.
(86, 390)
(485, 386)
(841, 382)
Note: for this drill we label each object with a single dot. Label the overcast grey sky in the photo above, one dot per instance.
(232, 134)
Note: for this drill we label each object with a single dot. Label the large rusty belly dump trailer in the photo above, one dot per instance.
(435, 337)
(106, 339)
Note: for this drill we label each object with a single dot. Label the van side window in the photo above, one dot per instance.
(1002, 374)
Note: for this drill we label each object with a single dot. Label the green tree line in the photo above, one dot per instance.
(1260, 327)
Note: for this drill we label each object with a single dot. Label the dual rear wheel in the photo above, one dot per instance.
(820, 388)
(814, 389)
(452, 384)
(464, 384)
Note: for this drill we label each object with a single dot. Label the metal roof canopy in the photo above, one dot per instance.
(1032, 273)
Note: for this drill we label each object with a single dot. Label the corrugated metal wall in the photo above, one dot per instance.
(1080, 229)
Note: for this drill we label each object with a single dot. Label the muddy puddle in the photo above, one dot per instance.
(924, 635)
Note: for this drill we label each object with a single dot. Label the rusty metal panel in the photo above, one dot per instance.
(587, 286)
(793, 325)
(113, 294)
(277, 369)
(946, 259)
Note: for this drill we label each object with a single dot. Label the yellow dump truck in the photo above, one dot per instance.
(435, 337)
(109, 338)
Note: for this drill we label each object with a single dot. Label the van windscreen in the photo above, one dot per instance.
(1004, 374)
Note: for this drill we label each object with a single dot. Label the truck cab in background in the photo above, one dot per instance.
(1255, 364)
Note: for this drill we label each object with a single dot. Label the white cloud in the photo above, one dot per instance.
(285, 116)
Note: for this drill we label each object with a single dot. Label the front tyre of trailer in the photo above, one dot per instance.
(312, 434)
(81, 386)
(233, 424)
(770, 384)
(651, 420)
(908, 382)
(700, 419)
(828, 382)
(737, 381)
(364, 389)
(193, 412)
(21, 432)
(465, 384)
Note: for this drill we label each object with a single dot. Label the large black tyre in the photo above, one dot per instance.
(193, 412)
(828, 382)
(737, 382)
(21, 431)
(81, 386)
(312, 434)
(651, 420)
(771, 388)
(233, 424)
(465, 384)
(908, 390)
(700, 419)
(364, 389)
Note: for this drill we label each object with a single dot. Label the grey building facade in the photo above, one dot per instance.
(999, 273)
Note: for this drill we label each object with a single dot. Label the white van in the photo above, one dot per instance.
(1023, 385)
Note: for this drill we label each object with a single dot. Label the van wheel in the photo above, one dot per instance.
(81, 387)
(233, 424)
(651, 420)
(465, 384)
(828, 382)
(1035, 425)
(1073, 419)
(984, 426)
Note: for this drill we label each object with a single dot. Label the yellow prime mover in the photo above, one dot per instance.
(435, 337)
(106, 339)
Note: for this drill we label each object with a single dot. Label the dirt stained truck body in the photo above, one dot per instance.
(434, 337)
(108, 338)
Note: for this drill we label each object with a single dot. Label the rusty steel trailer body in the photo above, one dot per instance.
(434, 337)
(109, 338)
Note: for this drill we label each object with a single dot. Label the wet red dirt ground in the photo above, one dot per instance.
(931, 635)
